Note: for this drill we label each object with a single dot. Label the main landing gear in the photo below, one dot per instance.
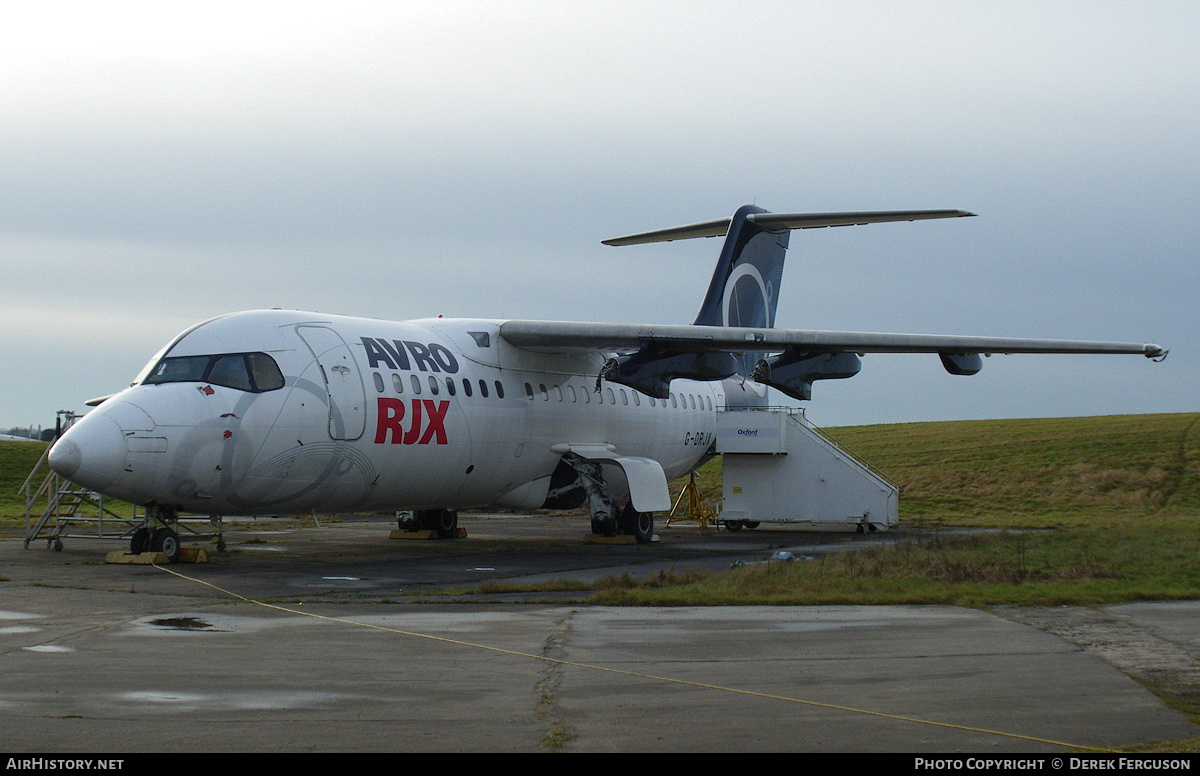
(443, 522)
(607, 519)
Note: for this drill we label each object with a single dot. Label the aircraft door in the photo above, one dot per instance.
(347, 399)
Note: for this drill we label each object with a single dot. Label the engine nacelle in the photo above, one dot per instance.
(961, 363)
(651, 371)
(793, 372)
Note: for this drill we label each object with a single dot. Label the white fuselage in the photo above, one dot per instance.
(372, 415)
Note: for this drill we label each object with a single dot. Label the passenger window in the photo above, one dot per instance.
(416, 383)
(483, 388)
(433, 386)
(637, 402)
(529, 391)
(624, 398)
(499, 390)
(571, 393)
(612, 398)
(466, 386)
(397, 383)
(545, 393)
(378, 381)
(450, 385)
(558, 396)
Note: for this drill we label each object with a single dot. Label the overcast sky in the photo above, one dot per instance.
(162, 163)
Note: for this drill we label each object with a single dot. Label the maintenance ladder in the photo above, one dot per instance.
(68, 511)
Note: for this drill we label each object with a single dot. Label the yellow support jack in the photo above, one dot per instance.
(695, 512)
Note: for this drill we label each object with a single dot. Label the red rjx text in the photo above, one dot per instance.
(432, 420)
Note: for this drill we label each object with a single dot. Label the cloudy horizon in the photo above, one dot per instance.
(166, 164)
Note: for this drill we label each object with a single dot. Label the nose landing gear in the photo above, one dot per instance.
(442, 522)
(159, 533)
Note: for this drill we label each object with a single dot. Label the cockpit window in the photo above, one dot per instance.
(179, 370)
(230, 371)
(253, 372)
(264, 371)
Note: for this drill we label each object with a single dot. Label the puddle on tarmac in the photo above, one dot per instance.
(183, 624)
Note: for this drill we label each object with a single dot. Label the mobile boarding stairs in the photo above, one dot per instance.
(779, 468)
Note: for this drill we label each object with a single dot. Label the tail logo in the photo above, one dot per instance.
(746, 269)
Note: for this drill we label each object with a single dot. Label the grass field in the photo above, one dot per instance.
(1085, 511)
(16, 461)
(1043, 473)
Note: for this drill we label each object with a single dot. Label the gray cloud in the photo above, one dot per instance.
(466, 160)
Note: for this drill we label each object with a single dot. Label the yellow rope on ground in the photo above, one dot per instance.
(635, 674)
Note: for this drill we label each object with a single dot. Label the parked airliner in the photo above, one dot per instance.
(283, 412)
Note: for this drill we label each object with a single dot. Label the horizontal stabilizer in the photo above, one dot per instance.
(784, 221)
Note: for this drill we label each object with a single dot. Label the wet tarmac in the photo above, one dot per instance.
(332, 639)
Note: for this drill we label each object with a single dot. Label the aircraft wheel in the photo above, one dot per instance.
(166, 541)
(604, 527)
(447, 524)
(639, 525)
(140, 541)
(751, 524)
(644, 531)
(733, 526)
(443, 521)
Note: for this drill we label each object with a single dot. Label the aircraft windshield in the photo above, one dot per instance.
(253, 372)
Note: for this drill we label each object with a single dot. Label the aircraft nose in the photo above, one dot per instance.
(91, 453)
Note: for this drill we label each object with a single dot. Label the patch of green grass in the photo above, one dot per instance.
(16, 461)
(549, 586)
(1122, 492)
(1031, 473)
(1066, 566)
(1037, 473)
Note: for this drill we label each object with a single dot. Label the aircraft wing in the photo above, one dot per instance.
(559, 336)
(649, 357)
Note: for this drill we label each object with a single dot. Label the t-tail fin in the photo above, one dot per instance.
(745, 285)
(744, 291)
